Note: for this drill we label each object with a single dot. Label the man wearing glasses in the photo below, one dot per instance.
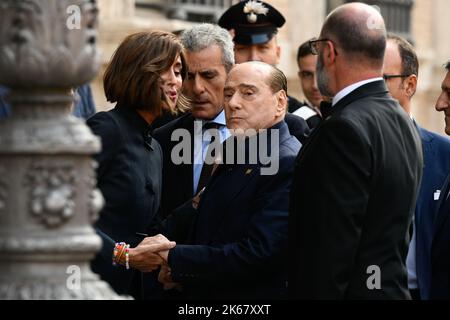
(401, 71)
(356, 180)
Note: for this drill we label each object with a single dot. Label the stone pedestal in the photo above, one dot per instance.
(48, 199)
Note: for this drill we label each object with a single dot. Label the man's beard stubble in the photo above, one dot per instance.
(323, 81)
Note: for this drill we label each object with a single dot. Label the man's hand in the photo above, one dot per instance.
(165, 277)
(146, 256)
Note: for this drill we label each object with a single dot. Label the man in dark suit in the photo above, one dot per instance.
(401, 70)
(356, 180)
(237, 245)
(254, 26)
(209, 57)
(440, 250)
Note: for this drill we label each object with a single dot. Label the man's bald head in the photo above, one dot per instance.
(359, 30)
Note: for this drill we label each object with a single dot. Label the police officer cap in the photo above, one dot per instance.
(254, 22)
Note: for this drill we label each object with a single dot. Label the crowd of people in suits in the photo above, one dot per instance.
(357, 209)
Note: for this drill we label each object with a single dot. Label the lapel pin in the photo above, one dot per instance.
(437, 195)
(249, 171)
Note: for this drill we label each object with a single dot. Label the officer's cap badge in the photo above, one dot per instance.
(253, 8)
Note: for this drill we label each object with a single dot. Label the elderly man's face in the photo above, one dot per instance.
(249, 100)
(268, 52)
(443, 102)
(205, 82)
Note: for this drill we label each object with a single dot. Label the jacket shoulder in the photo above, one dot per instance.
(290, 147)
(163, 133)
(104, 124)
(435, 138)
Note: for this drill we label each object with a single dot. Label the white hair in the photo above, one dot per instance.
(206, 35)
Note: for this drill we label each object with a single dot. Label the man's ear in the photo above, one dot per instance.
(329, 54)
(281, 103)
(232, 33)
(411, 85)
(278, 54)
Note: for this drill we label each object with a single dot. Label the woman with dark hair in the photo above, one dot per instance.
(143, 78)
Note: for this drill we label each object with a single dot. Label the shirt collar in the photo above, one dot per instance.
(219, 119)
(347, 90)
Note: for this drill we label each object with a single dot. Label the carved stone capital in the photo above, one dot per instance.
(42, 45)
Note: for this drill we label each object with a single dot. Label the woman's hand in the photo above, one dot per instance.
(146, 256)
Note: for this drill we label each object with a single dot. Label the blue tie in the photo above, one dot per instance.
(207, 169)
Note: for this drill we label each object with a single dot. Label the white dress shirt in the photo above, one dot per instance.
(200, 149)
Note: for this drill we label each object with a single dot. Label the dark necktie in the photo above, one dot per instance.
(207, 168)
(326, 108)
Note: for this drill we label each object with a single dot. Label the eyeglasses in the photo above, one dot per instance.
(391, 76)
(314, 47)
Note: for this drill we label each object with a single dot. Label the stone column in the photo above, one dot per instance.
(48, 199)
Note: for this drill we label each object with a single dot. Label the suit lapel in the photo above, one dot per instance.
(428, 157)
(227, 183)
(225, 186)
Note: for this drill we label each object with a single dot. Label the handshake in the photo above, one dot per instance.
(151, 254)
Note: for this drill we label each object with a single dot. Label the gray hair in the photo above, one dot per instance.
(206, 35)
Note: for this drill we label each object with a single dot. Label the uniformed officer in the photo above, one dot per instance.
(254, 26)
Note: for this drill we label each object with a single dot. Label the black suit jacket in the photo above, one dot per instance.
(298, 127)
(353, 197)
(129, 177)
(177, 186)
(440, 251)
(436, 153)
(236, 247)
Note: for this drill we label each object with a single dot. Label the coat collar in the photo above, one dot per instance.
(349, 89)
(424, 134)
(137, 122)
(372, 88)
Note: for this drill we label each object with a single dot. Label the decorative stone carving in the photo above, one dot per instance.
(96, 199)
(48, 198)
(36, 49)
(52, 192)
